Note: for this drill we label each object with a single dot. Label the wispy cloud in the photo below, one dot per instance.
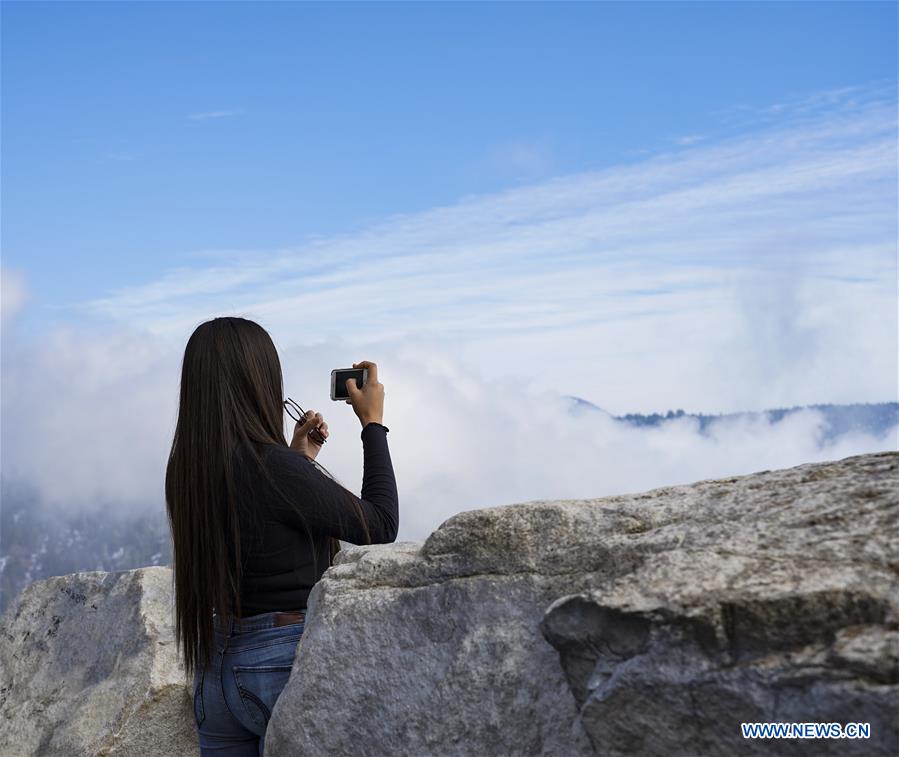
(559, 266)
(811, 104)
(215, 114)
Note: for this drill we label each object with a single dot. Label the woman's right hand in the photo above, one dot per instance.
(367, 402)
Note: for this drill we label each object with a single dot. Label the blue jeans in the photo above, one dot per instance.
(234, 698)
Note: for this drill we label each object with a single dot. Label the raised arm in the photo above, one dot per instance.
(326, 506)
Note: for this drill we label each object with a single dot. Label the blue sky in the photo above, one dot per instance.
(334, 115)
(651, 206)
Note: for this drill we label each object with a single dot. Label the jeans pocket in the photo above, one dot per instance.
(259, 687)
(199, 709)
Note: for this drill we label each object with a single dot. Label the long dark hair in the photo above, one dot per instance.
(231, 396)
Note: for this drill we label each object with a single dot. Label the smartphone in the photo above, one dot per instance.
(339, 377)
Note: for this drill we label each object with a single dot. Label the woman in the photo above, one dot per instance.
(255, 522)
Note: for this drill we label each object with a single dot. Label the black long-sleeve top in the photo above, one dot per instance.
(278, 566)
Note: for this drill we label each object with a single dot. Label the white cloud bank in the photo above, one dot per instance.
(759, 272)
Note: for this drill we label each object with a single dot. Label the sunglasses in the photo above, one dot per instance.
(299, 415)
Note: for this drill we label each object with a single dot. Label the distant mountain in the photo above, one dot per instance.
(36, 542)
(579, 406)
(869, 418)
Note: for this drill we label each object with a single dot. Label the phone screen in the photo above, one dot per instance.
(341, 376)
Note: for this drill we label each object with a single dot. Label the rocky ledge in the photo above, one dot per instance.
(652, 623)
(88, 666)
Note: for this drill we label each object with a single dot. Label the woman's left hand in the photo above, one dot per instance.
(304, 443)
